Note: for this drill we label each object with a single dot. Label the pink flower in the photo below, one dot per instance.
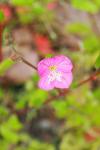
(55, 72)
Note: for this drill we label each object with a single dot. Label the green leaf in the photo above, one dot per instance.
(96, 93)
(29, 85)
(21, 104)
(37, 98)
(61, 108)
(22, 2)
(13, 123)
(9, 129)
(9, 135)
(97, 2)
(97, 64)
(26, 17)
(5, 65)
(78, 28)
(36, 145)
(85, 5)
(3, 111)
(49, 55)
(1, 16)
(1, 93)
(4, 144)
(91, 43)
(38, 9)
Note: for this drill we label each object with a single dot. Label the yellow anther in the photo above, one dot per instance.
(52, 68)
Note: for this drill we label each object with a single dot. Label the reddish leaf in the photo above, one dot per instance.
(6, 11)
(43, 44)
(51, 5)
(89, 137)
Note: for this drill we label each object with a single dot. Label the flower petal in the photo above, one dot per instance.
(63, 63)
(65, 82)
(45, 84)
(43, 65)
(60, 58)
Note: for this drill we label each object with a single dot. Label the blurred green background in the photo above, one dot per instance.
(39, 29)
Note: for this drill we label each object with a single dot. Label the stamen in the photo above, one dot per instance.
(52, 68)
(54, 75)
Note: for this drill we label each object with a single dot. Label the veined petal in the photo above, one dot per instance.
(63, 63)
(45, 84)
(65, 68)
(43, 65)
(65, 82)
(59, 59)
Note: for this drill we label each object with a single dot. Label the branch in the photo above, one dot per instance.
(18, 57)
(27, 63)
(90, 78)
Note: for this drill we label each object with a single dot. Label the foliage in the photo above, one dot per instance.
(1, 16)
(97, 64)
(5, 65)
(86, 5)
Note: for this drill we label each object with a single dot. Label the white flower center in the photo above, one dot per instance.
(54, 75)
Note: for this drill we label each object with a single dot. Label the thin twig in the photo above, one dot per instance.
(18, 57)
(91, 78)
(27, 63)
